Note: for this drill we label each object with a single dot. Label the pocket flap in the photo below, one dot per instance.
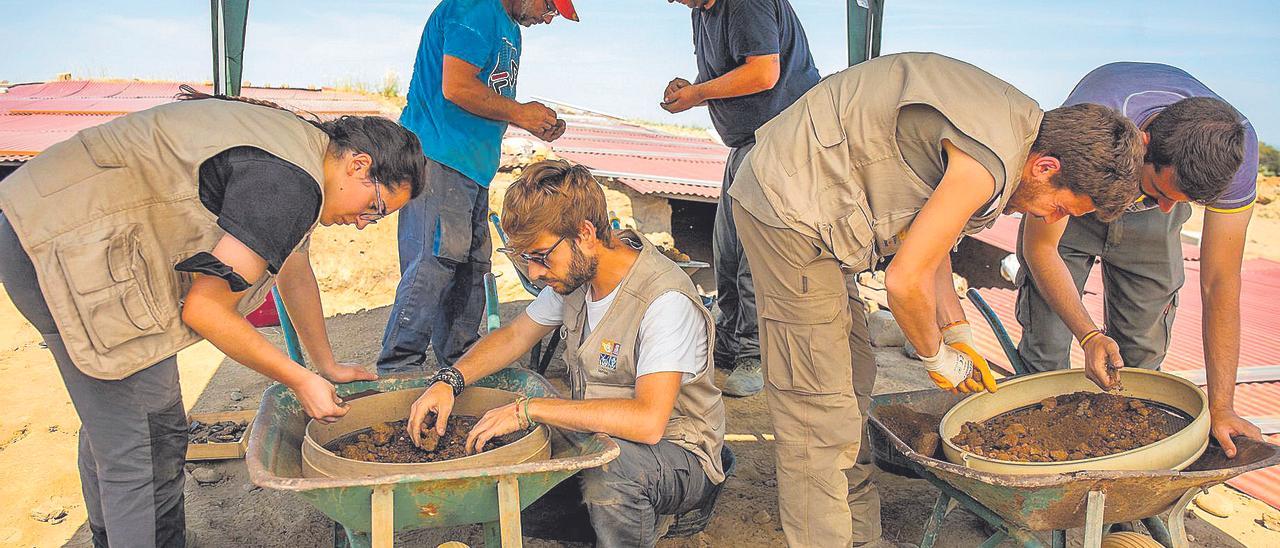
(825, 118)
(99, 264)
(809, 309)
(102, 151)
(136, 308)
(119, 256)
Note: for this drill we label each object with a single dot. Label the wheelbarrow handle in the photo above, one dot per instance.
(1010, 350)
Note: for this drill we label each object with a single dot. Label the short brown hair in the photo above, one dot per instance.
(553, 196)
(1100, 151)
(1203, 140)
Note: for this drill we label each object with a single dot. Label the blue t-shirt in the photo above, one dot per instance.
(729, 32)
(1142, 90)
(481, 33)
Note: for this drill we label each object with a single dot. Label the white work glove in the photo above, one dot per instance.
(957, 367)
(958, 331)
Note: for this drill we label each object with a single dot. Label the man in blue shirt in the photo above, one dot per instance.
(1199, 149)
(461, 98)
(753, 62)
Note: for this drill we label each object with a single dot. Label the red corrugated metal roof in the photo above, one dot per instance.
(35, 116)
(1259, 343)
(646, 160)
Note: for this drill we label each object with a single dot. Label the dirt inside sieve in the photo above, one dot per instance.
(1075, 426)
(389, 442)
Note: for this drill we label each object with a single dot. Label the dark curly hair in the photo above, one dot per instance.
(1203, 140)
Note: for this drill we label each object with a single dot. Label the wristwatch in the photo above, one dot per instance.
(450, 376)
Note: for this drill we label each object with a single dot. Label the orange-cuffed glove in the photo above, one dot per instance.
(957, 367)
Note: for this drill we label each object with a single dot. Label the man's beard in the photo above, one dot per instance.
(581, 270)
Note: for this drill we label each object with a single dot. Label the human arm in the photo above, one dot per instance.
(911, 280)
(1053, 280)
(460, 85)
(759, 73)
(1221, 255)
(642, 419)
(301, 297)
(491, 353)
(210, 310)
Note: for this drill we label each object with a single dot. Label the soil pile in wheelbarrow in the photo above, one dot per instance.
(218, 432)
(1074, 426)
(389, 442)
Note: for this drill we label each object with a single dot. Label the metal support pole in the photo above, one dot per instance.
(290, 334)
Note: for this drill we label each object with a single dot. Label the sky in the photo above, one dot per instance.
(621, 56)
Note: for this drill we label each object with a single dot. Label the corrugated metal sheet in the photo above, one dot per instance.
(1259, 343)
(35, 116)
(648, 161)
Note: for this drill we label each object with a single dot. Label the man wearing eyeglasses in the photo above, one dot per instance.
(1199, 149)
(461, 99)
(637, 347)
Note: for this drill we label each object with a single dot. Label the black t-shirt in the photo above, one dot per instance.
(265, 202)
(725, 35)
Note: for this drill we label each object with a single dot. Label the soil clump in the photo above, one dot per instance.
(218, 432)
(918, 430)
(1075, 426)
(389, 442)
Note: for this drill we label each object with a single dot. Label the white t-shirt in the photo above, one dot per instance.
(673, 334)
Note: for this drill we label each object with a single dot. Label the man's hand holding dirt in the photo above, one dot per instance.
(437, 399)
(318, 398)
(1102, 361)
(680, 96)
(499, 421)
(539, 120)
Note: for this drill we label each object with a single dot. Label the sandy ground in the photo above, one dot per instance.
(38, 429)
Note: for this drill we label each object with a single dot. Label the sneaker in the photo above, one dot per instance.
(747, 378)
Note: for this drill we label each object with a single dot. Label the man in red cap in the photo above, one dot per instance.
(461, 99)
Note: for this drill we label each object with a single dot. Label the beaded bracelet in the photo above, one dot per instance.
(521, 420)
(528, 421)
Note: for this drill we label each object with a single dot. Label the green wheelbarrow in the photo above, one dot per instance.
(367, 511)
(1017, 506)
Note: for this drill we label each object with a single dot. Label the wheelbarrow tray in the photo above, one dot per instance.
(1046, 502)
(441, 499)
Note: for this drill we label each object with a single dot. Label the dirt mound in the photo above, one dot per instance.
(1074, 426)
(389, 442)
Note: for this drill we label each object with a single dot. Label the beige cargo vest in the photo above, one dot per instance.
(602, 364)
(830, 166)
(107, 214)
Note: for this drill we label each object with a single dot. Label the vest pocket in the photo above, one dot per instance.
(110, 287)
(805, 347)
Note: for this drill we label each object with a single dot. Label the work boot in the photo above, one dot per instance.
(884, 543)
(746, 379)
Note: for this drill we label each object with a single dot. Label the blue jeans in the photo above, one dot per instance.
(444, 255)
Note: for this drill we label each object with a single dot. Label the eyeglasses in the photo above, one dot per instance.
(523, 259)
(378, 206)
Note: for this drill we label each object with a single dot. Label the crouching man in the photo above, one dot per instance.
(637, 346)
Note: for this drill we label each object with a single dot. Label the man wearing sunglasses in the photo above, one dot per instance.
(1199, 149)
(461, 100)
(637, 347)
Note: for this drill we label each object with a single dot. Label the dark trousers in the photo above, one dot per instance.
(1142, 271)
(444, 255)
(737, 331)
(626, 497)
(133, 433)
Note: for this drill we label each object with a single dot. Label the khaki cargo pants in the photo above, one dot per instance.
(819, 373)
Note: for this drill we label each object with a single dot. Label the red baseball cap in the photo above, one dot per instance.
(565, 7)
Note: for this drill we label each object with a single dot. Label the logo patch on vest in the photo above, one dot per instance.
(609, 351)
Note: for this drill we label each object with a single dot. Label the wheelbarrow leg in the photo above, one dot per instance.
(1059, 539)
(506, 532)
(1175, 535)
(382, 517)
(934, 523)
(1094, 528)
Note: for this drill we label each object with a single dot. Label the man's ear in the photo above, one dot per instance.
(1146, 138)
(1047, 166)
(586, 231)
(357, 161)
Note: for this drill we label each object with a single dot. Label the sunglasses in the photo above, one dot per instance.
(378, 206)
(523, 259)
